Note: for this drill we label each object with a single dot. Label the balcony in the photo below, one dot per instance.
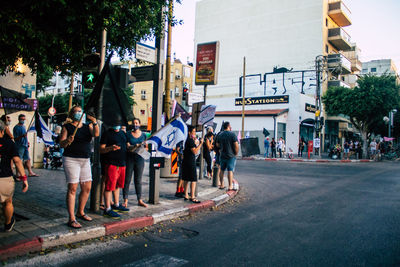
(339, 39)
(338, 63)
(356, 65)
(339, 13)
(337, 83)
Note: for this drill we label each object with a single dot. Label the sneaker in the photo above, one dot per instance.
(9, 227)
(180, 195)
(111, 214)
(119, 208)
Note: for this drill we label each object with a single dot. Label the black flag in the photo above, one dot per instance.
(265, 132)
(12, 101)
(108, 101)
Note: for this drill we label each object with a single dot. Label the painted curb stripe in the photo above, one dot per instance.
(121, 226)
(20, 248)
(201, 206)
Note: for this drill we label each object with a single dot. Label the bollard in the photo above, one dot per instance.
(215, 176)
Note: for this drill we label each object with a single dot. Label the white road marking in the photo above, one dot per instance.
(158, 260)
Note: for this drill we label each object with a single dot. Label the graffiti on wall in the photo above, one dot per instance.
(280, 82)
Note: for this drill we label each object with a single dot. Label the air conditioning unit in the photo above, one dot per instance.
(144, 97)
(177, 93)
(177, 77)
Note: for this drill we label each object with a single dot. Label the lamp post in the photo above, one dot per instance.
(391, 114)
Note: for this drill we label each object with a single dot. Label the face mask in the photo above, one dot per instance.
(136, 127)
(8, 123)
(22, 121)
(116, 128)
(77, 116)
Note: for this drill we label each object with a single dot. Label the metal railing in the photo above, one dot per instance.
(339, 32)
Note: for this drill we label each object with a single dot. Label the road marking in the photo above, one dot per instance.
(158, 260)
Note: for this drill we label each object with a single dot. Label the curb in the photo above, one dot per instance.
(307, 160)
(61, 238)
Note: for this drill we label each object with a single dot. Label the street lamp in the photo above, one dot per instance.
(391, 115)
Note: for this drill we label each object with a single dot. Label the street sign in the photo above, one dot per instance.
(142, 74)
(195, 115)
(51, 111)
(194, 98)
(207, 114)
(317, 142)
(145, 53)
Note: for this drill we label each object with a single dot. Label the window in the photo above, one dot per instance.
(326, 48)
(343, 78)
(373, 69)
(365, 70)
(281, 131)
(326, 22)
(186, 71)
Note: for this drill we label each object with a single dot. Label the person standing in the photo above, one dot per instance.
(266, 147)
(76, 162)
(273, 148)
(301, 148)
(134, 163)
(229, 147)
(21, 140)
(207, 148)
(113, 145)
(372, 146)
(189, 172)
(280, 146)
(346, 150)
(7, 122)
(9, 153)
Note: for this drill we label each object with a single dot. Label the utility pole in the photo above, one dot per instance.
(317, 125)
(71, 91)
(167, 99)
(243, 93)
(202, 136)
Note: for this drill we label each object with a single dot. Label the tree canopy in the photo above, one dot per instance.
(366, 104)
(58, 33)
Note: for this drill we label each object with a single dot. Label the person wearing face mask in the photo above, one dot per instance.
(7, 122)
(113, 146)
(21, 140)
(134, 163)
(76, 162)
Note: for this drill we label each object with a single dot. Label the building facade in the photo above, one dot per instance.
(380, 67)
(281, 40)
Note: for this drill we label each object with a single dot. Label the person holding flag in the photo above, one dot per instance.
(75, 139)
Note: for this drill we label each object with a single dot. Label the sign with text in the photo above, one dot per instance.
(263, 100)
(207, 114)
(310, 108)
(317, 142)
(207, 63)
(194, 98)
(142, 74)
(195, 115)
(145, 53)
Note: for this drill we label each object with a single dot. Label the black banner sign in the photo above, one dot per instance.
(310, 108)
(263, 100)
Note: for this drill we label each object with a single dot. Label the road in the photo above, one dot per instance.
(297, 214)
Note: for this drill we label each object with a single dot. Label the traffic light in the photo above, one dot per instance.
(90, 71)
(184, 93)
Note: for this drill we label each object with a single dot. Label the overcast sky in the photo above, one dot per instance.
(375, 29)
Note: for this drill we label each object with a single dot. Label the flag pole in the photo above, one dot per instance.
(30, 124)
(76, 128)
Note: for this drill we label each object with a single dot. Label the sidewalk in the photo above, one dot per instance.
(42, 216)
(314, 158)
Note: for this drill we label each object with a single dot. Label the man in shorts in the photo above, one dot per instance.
(113, 146)
(21, 140)
(228, 145)
(8, 153)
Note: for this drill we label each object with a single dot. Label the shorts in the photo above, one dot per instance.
(77, 170)
(228, 164)
(23, 153)
(217, 158)
(7, 186)
(115, 177)
(346, 150)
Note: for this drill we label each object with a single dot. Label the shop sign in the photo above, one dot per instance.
(207, 63)
(311, 108)
(262, 100)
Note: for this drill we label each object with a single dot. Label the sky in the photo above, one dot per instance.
(375, 28)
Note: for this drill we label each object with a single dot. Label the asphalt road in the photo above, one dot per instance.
(291, 214)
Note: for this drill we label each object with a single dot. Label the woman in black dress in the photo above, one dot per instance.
(189, 173)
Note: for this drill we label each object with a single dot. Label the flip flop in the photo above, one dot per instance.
(84, 217)
(102, 207)
(33, 175)
(222, 188)
(74, 224)
(195, 200)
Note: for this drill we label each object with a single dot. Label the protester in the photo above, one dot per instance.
(7, 131)
(372, 147)
(280, 146)
(76, 162)
(207, 148)
(301, 147)
(180, 191)
(273, 148)
(21, 140)
(8, 153)
(346, 149)
(123, 128)
(134, 163)
(266, 147)
(113, 145)
(189, 172)
(228, 144)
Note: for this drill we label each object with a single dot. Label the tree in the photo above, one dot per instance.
(58, 33)
(43, 77)
(366, 104)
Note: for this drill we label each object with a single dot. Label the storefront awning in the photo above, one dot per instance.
(254, 113)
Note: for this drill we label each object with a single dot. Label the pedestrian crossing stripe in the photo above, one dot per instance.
(174, 162)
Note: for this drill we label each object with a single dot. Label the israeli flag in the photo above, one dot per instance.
(168, 137)
(42, 132)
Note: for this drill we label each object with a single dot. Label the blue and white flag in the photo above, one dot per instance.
(42, 132)
(168, 137)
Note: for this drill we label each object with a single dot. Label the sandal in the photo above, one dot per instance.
(195, 200)
(186, 198)
(74, 224)
(84, 217)
(222, 188)
(102, 207)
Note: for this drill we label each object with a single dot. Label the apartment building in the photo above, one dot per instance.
(379, 67)
(281, 40)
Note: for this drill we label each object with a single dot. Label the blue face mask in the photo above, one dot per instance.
(116, 128)
(77, 116)
(136, 127)
(22, 121)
